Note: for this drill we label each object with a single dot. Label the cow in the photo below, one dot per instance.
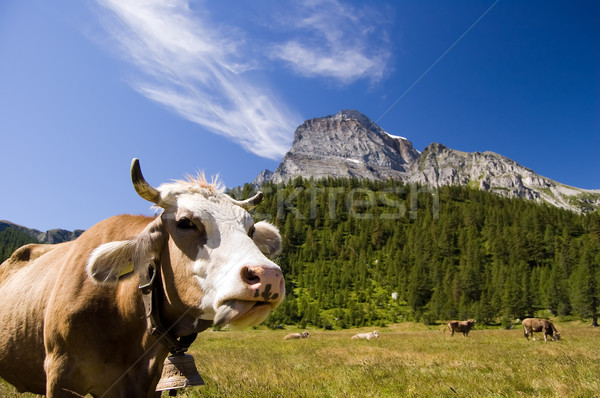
(302, 335)
(461, 326)
(99, 315)
(369, 336)
(537, 325)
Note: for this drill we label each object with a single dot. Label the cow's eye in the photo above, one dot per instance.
(251, 231)
(185, 223)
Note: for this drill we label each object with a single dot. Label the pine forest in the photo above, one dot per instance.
(358, 253)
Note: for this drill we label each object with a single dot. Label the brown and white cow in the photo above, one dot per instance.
(368, 336)
(463, 327)
(537, 325)
(302, 335)
(73, 320)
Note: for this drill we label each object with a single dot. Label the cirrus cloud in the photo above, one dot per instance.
(205, 71)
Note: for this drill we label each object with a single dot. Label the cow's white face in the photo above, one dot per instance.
(212, 254)
(219, 258)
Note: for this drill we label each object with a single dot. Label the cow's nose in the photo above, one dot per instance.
(265, 283)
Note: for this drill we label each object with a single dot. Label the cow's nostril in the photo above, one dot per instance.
(249, 275)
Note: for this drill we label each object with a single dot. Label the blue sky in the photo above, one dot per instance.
(221, 86)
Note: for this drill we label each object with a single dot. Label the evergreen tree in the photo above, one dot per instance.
(585, 292)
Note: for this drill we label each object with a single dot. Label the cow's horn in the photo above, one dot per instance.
(249, 203)
(142, 187)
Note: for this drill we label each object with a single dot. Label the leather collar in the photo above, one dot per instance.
(152, 292)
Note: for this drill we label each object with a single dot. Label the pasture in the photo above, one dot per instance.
(407, 360)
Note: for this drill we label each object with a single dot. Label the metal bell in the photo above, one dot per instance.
(179, 371)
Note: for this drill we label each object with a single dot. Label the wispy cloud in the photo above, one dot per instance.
(192, 68)
(335, 40)
(205, 70)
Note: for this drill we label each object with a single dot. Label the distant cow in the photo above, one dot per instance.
(461, 326)
(537, 325)
(369, 336)
(302, 335)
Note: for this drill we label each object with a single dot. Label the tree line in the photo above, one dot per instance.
(359, 253)
(11, 239)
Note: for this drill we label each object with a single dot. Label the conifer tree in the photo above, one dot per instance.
(585, 292)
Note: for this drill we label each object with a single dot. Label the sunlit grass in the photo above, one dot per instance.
(408, 360)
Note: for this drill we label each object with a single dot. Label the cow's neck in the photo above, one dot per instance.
(174, 328)
(180, 311)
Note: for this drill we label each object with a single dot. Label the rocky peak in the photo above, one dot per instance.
(349, 144)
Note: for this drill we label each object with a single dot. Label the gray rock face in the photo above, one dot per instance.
(488, 171)
(349, 144)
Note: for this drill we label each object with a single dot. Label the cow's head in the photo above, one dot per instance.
(555, 336)
(212, 255)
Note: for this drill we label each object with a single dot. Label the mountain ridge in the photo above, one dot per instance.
(349, 144)
(51, 236)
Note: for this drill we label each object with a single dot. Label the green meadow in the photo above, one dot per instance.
(407, 360)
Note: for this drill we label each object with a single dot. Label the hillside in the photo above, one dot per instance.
(452, 252)
(13, 236)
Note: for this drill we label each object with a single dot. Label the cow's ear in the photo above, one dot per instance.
(266, 236)
(110, 261)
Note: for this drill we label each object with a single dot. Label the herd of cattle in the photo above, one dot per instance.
(366, 336)
(100, 314)
(530, 325)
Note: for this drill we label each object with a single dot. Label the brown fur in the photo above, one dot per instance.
(83, 322)
(537, 325)
(463, 327)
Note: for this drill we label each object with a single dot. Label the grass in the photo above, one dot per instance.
(408, 360)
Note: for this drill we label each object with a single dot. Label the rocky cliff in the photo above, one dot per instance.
(344, 145)
(349, 144)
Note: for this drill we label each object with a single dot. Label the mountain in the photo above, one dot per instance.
(488, 171)
(50, 236)
(349, 144)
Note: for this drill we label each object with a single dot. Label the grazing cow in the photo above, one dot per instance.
(100, 314)
(537, 325)
(369, 336)
(461, 326)
(302, 335)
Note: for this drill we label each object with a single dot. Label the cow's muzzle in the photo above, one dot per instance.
(263, 283)
(264, 290)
